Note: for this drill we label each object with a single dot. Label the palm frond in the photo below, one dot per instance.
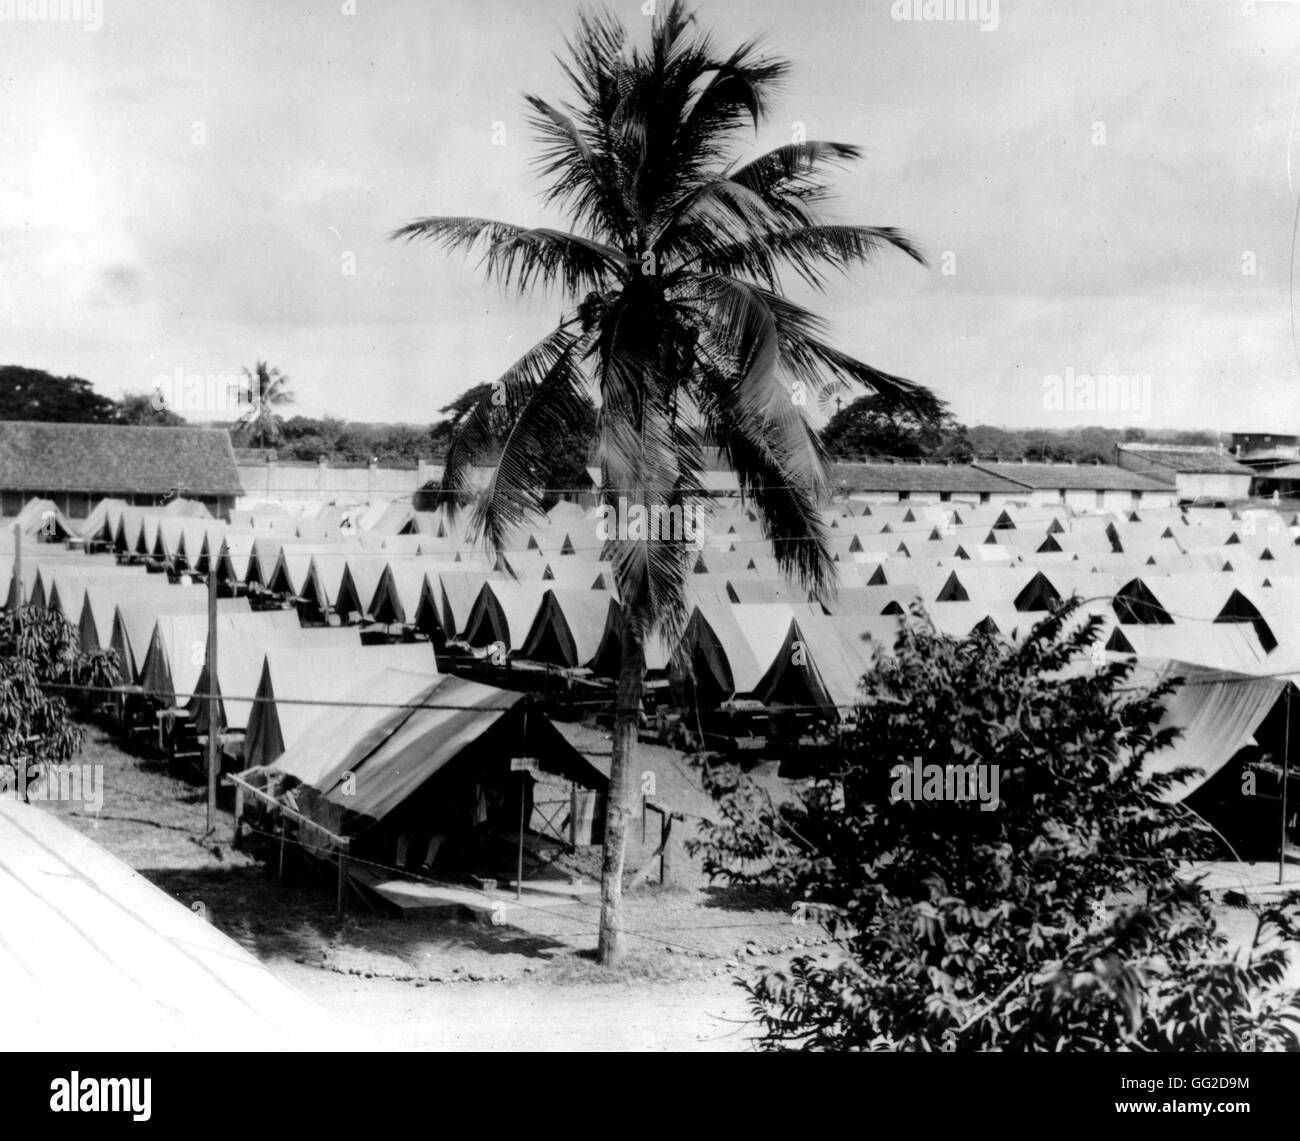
(510, 394)
(894, 391)
(778, 189)
(809, 250)
(517, 488)
(582, 178)
(649, 458)
(702, 348)
(514, 255)
(757, 423)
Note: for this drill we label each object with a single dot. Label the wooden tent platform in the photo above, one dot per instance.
(487, 905)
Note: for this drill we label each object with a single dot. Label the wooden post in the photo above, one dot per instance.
(213, 761)
(343, 882)
(573, 814)
(283, 826)
(519, 871)
(239, 814)
(665, 864)
(16, 594)
(1286, 777)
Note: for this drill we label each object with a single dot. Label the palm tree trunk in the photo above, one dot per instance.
(618, 802)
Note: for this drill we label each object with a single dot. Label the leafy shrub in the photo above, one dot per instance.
(40, 652)
(1055, 922)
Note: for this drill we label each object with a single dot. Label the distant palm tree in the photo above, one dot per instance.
(678, 327)
(265, 391)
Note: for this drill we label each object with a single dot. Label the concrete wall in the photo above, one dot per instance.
(350, 483)
(1079, 500)
(1189, 485)
(1198, 485)
(1110, 500)
(970, 498)
(1157, 500)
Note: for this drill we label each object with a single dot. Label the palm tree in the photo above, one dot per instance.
(676, 323)
(265, 391)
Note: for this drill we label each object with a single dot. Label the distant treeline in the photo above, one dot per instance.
(862, 430)
(865, 430)
(1071, 445)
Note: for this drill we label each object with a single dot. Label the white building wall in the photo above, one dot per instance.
(1038, 497)
(1158, 500)
(1204, 485)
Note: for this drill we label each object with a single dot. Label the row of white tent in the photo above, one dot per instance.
(750, 634)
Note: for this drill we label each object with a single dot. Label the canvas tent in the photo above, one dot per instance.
(822, 660)
(41, 519)
(100, 959)
(504, 613)
(439, 764)
(1217, 713)
(568, 627)
(136, 618)
(726, 648)
(293, 679)
(174, 662)
(240, 654)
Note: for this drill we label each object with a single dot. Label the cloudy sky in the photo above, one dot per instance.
(1101, 187)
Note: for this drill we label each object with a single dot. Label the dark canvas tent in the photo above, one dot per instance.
(433, 759)
(1217, 713)
(568, 627)
(294, 678)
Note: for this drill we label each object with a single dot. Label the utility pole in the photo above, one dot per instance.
(16, 593)
(1286, 777)
(213, 761)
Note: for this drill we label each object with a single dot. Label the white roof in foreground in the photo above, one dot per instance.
(98, 958)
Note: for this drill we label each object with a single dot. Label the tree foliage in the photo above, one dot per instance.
(139, 408)
(33, 394)
(677, 326)
(266, 391)
(1055, 922)
(39, 651)
(871, 429)
(676, 323)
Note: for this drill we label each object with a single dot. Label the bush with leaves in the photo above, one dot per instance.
(1057, 921)
(40, 652)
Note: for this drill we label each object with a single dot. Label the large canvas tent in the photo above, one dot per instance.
(174, 662)
(434, 760)
(1217, 713)
(98, 958)
(821, 662)
(240, 654)
(568, 627)
(503, 613)
(295, 679)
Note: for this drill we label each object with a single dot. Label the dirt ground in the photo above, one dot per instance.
(424, 981)
(702, 1015)
(429, 982)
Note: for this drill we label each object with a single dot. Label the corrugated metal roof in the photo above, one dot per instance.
(921, 478)
(1074, 477)
(1201, 461)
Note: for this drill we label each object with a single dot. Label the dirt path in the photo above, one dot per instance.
(382, 1014)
